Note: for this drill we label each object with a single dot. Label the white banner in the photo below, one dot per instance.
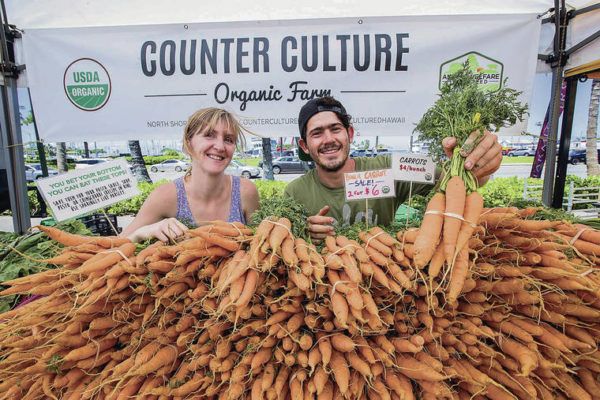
(86, 190)
(142, 82)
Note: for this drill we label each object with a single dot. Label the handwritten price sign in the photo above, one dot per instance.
(413, 167)
(369, 184)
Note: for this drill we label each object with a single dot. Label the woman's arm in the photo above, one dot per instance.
(250, 198)
(155, 217)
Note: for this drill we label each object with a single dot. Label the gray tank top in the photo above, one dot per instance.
(184, 214)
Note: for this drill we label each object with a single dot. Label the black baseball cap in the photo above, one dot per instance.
(311, 108)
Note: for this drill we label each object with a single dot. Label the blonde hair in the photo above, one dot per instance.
(206, 119)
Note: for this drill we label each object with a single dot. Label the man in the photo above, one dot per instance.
(326, 133)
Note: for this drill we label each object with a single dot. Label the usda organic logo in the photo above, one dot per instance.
(87, 84)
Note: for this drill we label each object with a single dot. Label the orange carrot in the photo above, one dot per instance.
(431, 228)
(455, 207)
(473, 208)
(459, 273)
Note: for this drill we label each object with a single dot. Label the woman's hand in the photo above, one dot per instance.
(166, 230)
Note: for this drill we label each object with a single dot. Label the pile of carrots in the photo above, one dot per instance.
(228, 313)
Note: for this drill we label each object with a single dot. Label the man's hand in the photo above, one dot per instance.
(166, 230)
(320, 226)
(484, 159)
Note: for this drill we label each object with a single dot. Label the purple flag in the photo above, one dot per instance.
(540, 152)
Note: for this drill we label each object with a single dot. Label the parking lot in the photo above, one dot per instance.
(506, 170)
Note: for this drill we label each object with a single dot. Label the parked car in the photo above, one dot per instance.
(284, 165)
(237, 168)
(520, 152)
(34, 171)
(88, 162)
(170, 165)
(579, 156)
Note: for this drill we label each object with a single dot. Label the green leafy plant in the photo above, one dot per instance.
(281, 206)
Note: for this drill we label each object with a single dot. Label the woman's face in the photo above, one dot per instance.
(212, 149)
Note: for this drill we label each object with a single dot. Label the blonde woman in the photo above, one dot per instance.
(205, 193)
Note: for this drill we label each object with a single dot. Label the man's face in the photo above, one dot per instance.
(327, 141)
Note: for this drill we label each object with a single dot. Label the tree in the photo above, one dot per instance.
(137, 162)
(61, 157)
(592, 131)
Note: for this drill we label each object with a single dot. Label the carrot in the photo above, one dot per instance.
(458, 275)
(89, 350)
(70, 239)
(429, 234)
(288, 252)
(340, 308)
(219, 240)
(248, 290)
(281, 230)
(340, 371)
(372, 241)
(473, 208)
(342, 343)
(383, 236)
(105, 259)
(414, 369)
(167, 355)
(455, 207)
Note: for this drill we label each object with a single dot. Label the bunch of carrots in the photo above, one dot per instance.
(229, 313)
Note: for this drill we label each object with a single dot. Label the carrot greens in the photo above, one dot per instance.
(463, 107)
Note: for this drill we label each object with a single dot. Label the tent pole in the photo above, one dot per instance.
(10, 127)
(565, 143)
(557, 62)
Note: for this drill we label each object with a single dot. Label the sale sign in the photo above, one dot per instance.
(369, 184)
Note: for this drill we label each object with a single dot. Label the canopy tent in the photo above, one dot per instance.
(35, 15)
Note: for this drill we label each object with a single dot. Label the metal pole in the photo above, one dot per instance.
(10, 126)
(565, 143)
(560, 22)
(38, 142)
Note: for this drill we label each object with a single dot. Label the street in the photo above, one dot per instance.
(506, 170)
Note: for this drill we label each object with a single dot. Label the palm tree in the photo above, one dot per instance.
(61, 157)
(592, 130)
(137, 162)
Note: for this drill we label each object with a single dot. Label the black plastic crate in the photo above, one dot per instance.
(99, 225)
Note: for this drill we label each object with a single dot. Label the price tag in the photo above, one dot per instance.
(369, 184)
(82, 191)
(413, 167)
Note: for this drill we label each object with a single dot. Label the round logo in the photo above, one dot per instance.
(385, 189)
(87, 84)
(428, 176)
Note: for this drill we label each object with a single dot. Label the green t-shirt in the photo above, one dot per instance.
(311, 193)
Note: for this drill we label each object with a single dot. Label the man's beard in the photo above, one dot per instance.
(332, 167)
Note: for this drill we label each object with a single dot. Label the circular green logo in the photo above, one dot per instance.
(87, 84)
(385, 189)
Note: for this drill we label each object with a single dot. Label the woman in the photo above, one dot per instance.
(205, 193)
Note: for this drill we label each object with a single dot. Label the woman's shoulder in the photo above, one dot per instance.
(247, 187)
(165, 191)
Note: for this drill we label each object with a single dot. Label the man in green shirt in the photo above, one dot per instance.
(326, 133)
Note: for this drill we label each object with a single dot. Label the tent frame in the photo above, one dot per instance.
(556, 170)
(11, 142)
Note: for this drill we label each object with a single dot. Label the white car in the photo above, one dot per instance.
(236, 168)
(170, 165)
(88, 162)
(34, 171)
